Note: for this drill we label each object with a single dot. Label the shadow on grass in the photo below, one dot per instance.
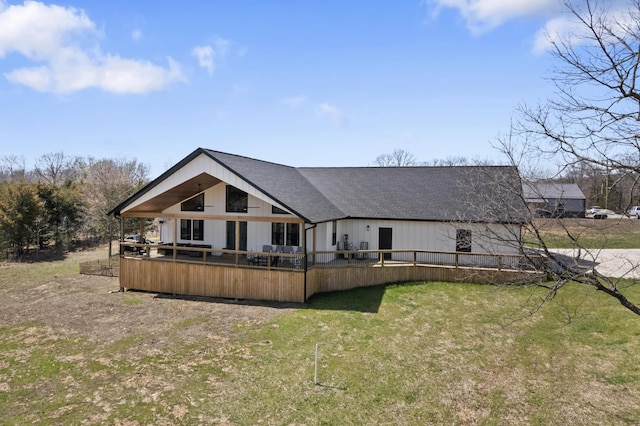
(244, 302)
(364, 299)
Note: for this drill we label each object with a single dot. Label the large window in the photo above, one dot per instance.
(192, 229)
(198, 230)
(285, 234)
(293, 234)
(231, 236)
(277, 234)
(194, 204)
(237, 200)
(185, 229)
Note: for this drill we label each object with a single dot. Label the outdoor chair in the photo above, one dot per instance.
(297, 261)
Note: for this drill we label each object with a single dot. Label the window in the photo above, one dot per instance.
(198, 230)
(185, 229)
(192, 229)
(237, 200)
(285, 234)
(293, 234)
(194, 204)
(277, 210)
(334, 233)
(231, 236)
(277, 233)
(463, 240)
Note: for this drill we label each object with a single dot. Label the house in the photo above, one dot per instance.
(552, 199)
(233, 226)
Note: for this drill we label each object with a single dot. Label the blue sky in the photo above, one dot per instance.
(303, 83)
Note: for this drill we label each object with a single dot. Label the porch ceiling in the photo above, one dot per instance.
(177, 194)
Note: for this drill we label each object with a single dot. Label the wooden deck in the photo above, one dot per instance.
(234, 275)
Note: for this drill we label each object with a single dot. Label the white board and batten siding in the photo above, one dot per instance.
(436, 236)
(202, 164)
(258, 233)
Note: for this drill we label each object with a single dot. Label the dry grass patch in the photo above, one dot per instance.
(590, 233)
(433, 353)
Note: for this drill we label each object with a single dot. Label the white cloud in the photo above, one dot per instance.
(332, 113)
(294, 101)
(568, 29)
(484, 15)
(208, 55)
(64, 44)
(205, 56)
(136, 35)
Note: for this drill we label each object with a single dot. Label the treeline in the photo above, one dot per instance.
(62, 200)
(610, 187)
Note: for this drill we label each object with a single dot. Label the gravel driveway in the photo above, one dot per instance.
(617, 263)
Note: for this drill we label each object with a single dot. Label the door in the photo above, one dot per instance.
(384, 241)
(231, 236)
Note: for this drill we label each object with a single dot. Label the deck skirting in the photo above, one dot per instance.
(193, 279)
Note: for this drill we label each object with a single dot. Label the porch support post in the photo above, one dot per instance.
(110, 239)
(237, 240)
(141, 232)
(175, 238)
(121, 249)
(303, 243)
(121, 239)
(304, 260)
(313, 258)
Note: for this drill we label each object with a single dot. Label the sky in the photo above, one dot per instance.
(302, 83)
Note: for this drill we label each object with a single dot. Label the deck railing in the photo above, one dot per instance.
(331, 259)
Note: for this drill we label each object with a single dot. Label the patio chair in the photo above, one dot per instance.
(260, 259)
(297, 261)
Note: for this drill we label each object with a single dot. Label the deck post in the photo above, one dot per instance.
(121, 250)
(313, 257)
(175, 239)
(237, 240)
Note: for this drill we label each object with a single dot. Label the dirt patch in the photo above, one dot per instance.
(92, 307)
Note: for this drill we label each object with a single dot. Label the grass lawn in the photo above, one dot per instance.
(590, 233)
(426, 353)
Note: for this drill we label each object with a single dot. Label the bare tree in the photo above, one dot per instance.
(53, 167)
(447, 162)
(12, 168)
(106, 183)
(592, 124)
(397, 158)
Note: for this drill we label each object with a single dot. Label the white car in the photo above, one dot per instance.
(634, 211)
(593, 209)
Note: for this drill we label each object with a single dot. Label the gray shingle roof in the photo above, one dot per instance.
(321, 194)
(466, 193)
(282, 183)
